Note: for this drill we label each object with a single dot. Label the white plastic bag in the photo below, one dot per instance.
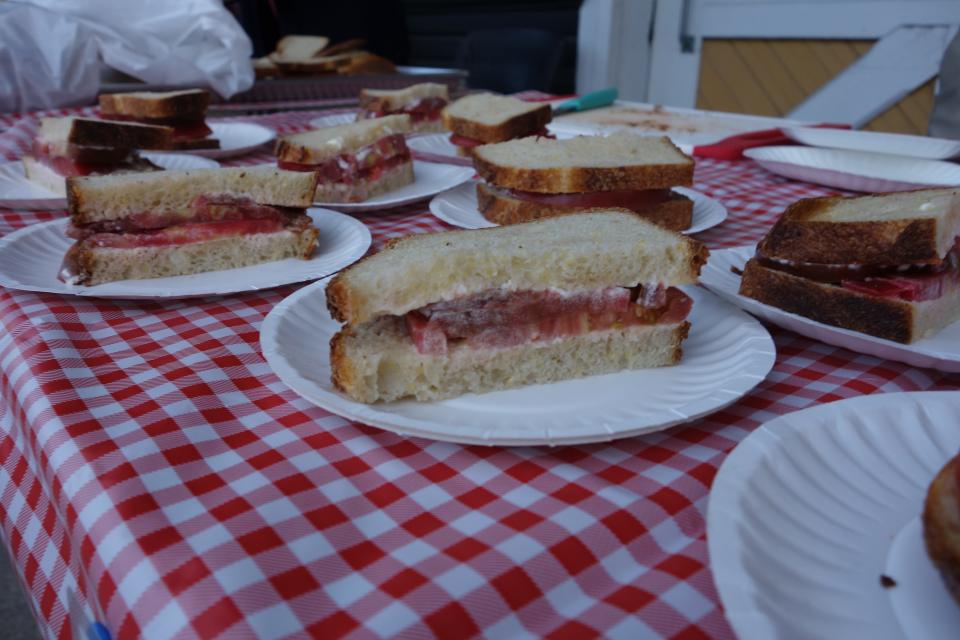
(36, 75)
(169, 42)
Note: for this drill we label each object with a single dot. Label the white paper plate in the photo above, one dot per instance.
(430, 179)
(16, 192)
(437, 147)
(855, 170)
(942, 351)
(333, 120)
(459, 208)
(891, 143)
(236, 139)
(726, 355)
(30, 259)
(804, 516)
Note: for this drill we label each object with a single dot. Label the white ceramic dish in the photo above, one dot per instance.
(30, 260)
(459, 208)
(726, 355)
(16, 192)
(942, 351)
(875, 142)
(237, 138)
(813, 507)
(430, 179)
(855, 170)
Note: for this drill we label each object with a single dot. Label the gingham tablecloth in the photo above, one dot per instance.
(159, 478)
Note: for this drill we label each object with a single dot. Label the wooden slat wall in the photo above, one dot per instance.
(771, 77)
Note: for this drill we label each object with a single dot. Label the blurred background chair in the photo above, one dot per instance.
(511, 59)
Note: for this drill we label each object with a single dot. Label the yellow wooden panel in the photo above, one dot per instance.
(771, 77)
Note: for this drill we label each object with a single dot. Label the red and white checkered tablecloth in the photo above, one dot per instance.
(159, 478)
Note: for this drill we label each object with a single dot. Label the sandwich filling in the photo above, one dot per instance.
(635, 200)
(76, 160)
(910, 282)
(469, 143)
(207, 218)
(420, 110)
(366, 164)
(499, 318)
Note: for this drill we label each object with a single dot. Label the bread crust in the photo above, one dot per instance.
(799, 236)
(109, 133)
(585, 179)
(941, 526)
(521, 125)
(882, 317)
(198, 143)
(675, 214)
(187, 105)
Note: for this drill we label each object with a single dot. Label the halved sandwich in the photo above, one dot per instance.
(941, 525)
(884, 265)
(353, 162)
(422, 102)
(538, 177)
(438, 315)
(65, 147)
(183, 111)
(154, 225)
(486, 118)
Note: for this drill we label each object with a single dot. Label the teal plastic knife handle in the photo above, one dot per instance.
(592, 100)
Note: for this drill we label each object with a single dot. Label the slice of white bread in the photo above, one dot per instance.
(892, 319)
(36, 171)
(890, 229)
(941, 525)
(364, 189)
(295, 46)
(150, 105)
(583, 251)
(378, 362)
(96, 265)
(104, 133)
(491, 118)
(320, 145)
(375, 99)
(584, 163)
(110, 197)
(676, 213)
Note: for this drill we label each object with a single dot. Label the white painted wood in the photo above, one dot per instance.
(841, 19)
(896, 65)
(673, 71)
(613, 46)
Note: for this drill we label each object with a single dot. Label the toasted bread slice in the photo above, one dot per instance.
(583, 251)
(97, 265)
(265, 67)
(366, 63)
(912, 227)
(584, 164)
(675, 214)
(377, 362)
(36, 171)
(189, 104)
(320, 145)
(104, 133)
(312, 66)
(92, 199)
(941, 525)
(491, 118)
(365, 188)
(888, 318)
(301, 46)
(197, 143)
(383, 99)
(346, 46)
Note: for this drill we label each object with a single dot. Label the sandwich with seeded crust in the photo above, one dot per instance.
(885, 265)
(538, 177)
(438, 315)
(486, 118)
(353, 162)
(172, 223)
